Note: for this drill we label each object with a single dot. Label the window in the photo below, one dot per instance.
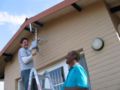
(58, 72)
(57, 77)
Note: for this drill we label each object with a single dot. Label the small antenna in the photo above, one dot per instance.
(30, 26)
(36, 38)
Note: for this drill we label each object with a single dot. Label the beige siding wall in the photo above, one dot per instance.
(11, 74)
(76, 30)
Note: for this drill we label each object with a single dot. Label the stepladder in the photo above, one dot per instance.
(40, 80)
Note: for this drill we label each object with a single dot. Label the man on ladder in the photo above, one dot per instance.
(25, 57)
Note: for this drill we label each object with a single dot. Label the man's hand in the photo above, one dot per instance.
(34, 44)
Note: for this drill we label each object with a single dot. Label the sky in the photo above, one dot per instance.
(14, 12)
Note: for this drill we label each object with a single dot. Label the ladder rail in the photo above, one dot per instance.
(33, 71)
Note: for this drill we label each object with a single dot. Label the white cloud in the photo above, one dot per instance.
(11, 21)
(6, 18)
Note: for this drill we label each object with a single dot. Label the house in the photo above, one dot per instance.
(71, 25)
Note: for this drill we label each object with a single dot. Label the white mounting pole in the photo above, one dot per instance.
(35, 31)
(36, 38)
(30, 26)
(36, 35)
